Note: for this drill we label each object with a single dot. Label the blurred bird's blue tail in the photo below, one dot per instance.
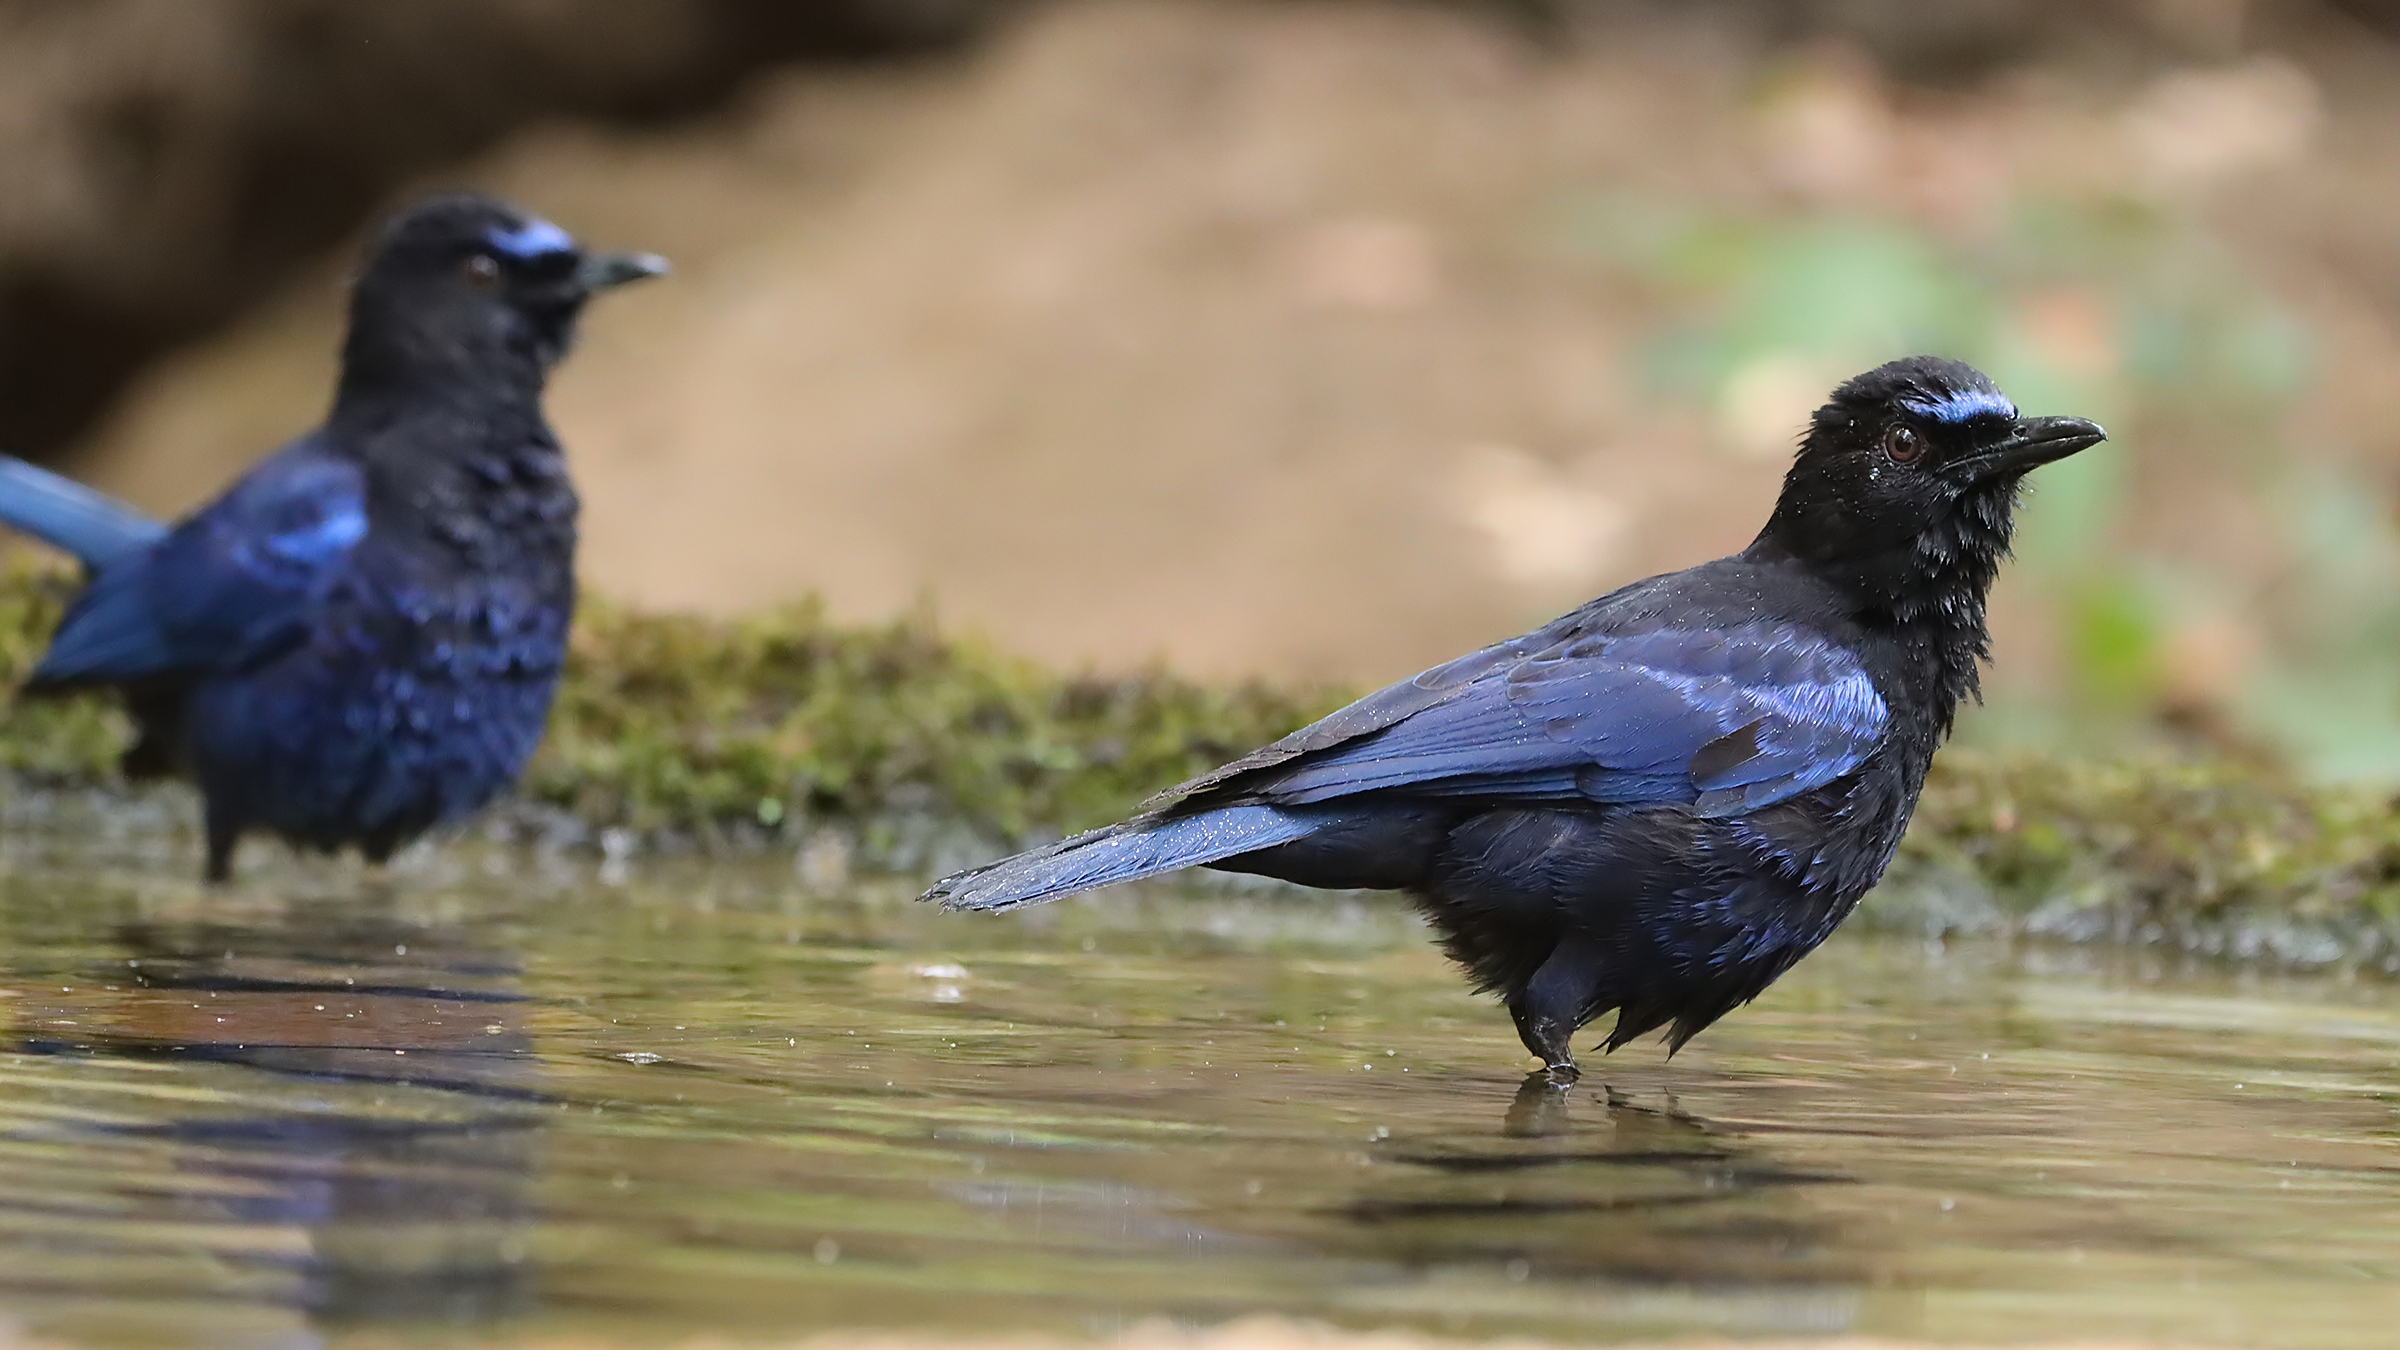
(65, 514)
(1127, 852)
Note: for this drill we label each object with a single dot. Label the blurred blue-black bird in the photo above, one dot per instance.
(1659, 802)
(360, 639)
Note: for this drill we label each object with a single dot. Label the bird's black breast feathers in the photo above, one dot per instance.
(475, 492)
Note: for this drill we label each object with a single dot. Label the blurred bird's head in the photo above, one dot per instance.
(1907, 479)
(462, 282)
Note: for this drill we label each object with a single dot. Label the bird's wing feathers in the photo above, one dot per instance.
(1369, 715)
(1728, 720)
(227, 587)
(1732, 719)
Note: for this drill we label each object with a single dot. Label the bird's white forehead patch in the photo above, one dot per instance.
(532, 239)
(1960, 405)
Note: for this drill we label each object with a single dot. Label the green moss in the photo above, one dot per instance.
(2198, 835)
(783, 721)
(681, 722)
(2213, 855)
(52, 741)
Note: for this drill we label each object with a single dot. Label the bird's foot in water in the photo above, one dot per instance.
(1539, 1109)
(1548, 1039)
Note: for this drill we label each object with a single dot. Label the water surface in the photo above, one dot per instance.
(500, 1097)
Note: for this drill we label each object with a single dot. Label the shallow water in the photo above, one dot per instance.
(524, 1099)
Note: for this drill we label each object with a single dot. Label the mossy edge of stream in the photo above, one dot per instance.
(921, 748)
(748, 731)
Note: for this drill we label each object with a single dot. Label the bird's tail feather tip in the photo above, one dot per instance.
(984, 888)
(979, 892)
(957, 904)
(943, 891)
(951, 893)
(1129, 851)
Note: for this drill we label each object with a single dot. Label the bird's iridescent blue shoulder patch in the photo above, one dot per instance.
(532, 239)
(1960, 405)
(323, 540)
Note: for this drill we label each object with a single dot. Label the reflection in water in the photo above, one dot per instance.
(762, 1110)
(1624, 1197)
(326, 1112)
(1539, 1110)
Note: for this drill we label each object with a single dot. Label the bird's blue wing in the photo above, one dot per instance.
(227, 587)
(1725, 719)
(1369, 715)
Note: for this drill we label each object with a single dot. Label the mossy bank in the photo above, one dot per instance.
(746, 733)
(917, 747)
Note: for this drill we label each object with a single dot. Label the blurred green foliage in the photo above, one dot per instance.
(2326, 689)
(2116, 309)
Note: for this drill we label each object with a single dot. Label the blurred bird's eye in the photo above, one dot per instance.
(480, 270)
(1902, 445)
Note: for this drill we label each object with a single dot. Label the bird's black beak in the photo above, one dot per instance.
(605, 271)
(2037, 441)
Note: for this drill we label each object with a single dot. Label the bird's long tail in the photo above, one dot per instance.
(65, 514)
(1126, 852)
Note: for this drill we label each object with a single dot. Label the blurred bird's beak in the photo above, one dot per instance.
(603, 271)
(2038, 441)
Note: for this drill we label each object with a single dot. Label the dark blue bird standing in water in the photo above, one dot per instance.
(360, 639)
(1659, 802)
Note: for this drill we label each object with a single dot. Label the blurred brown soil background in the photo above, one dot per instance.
(1237, 334)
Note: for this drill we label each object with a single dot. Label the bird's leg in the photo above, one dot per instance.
(224, 832)
(1555, 1003)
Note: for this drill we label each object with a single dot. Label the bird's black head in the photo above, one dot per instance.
(1905, 484)
(461, 286)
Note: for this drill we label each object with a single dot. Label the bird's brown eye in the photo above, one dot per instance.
(480, 270)
(1902, 445)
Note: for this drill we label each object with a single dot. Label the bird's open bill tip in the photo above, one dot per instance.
(2039, 441)
(601, 271)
